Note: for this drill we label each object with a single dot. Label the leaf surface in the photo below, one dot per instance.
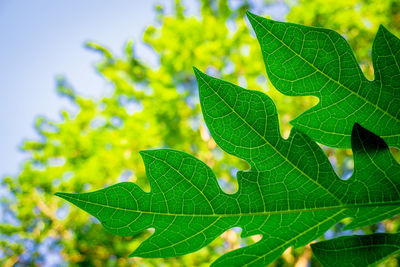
(302, 60)
(356, 250)
(291, 195)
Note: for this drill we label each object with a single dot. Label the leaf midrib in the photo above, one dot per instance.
(343, 207)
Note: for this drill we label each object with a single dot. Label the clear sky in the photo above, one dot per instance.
(41, 39)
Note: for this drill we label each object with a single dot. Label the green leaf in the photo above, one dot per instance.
(356, 250)
(302, 60)
(290, 196)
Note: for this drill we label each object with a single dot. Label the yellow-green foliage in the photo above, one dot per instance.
(151, 107)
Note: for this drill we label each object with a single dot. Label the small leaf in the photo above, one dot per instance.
(302, 60)
(356, 250)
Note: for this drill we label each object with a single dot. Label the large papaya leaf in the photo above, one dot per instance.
(356, 250)
(302, 60)
(291, 195)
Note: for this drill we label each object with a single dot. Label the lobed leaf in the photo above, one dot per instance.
(291, 195)
(302, 60)
(356, 250)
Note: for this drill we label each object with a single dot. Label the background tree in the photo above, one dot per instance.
(150, 107)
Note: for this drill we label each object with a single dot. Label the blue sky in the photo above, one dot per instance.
(41, 39)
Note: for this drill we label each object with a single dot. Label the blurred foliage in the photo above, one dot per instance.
(151, 107)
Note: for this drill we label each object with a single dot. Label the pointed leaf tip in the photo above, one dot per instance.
(148, 154)
(65, 196)
(357, 127)
(382, 28)
(200, 77)
(249, 14)
(384, 31)
(143, 152)
(252, 18)
(364, 134)
(59, 194)
(197, 72)
(260, 19)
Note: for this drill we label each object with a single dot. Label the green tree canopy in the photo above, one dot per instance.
(151, 107)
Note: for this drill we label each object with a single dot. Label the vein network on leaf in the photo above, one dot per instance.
(291, 194)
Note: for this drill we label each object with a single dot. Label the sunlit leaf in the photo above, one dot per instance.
(302, 60)
(291, 195)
